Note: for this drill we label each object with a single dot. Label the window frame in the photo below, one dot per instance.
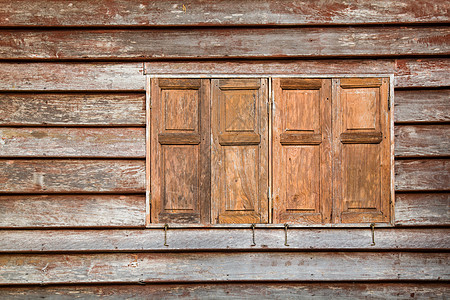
(269, 77)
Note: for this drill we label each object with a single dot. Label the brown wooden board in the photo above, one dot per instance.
(424, 72)
(71, 76)
(219, 13)
(264, 67)
(423, 209)
(239, 150)
(221, 266)
(226, 42)
(302, 165)
(180, 151)
(361, 163)
(59, 176)
(252, 291)
(152, 240)
(72, 176)
(422, 175)
(99, 109)
(422, 106)
(72, 142)
(422, 140)
(432, 72)
(71, 211)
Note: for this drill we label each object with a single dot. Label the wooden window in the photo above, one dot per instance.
(328, 142)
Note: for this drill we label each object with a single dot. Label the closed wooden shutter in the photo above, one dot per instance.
(362, 150)
(239, 155)
(180, 150)
(302, 150)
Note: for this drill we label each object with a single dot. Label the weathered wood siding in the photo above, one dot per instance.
(72, 148)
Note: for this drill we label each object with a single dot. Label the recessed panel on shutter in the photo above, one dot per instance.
(301, 150)
(180, 151)
(361, 150)
(239, 154)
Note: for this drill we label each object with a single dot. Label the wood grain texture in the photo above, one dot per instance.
(422, 106)
(29, 176)
(72, 142)
(72, 109)
(180, 151)
(422, 175)
(251, 291)
(426, 72)
(326, 66)
(302, 164)
(219, 13)
(239, 167)
(362, 171)
(424, 209)
(151, 240)
(72, 176)
(71, 211)
(227, 42)
(71, 76)
(220, 266)
(422, 140)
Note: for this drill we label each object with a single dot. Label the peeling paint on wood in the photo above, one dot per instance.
(422, 175)
(225, 42)
(220, 266)
(422, 140)
(306, 239)
(424, 209)
(220, 13)
(72, 176)
(71, 211)
(73, 142)
(71, 77)
(422, 106)
(251, 291)
(72, 109)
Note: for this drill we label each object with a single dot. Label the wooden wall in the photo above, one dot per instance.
(72, 148)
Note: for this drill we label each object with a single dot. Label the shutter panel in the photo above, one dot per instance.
(180, 151)
(362, 150)
(239, 154)
(302, 151)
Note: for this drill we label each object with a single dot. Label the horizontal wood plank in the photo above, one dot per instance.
(219, 13)
(432, 72)
(221, 266)
(72, 142)
(305, 239)
(422, 106)
(426, 72)
(422, 209)
(422, 140)
(422, 175)
(71, 211)
(63, 176)
(71, 76)
(277, 67)
(251, 291)
(72, 176)
(227, 42)
(72, 109)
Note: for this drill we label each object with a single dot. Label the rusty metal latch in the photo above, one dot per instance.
(372, 226)
(166, 227)
(286, 226)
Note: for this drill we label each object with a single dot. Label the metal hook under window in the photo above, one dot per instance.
(166, 227)
(253, 235)
(372, 226)
(286, 226)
